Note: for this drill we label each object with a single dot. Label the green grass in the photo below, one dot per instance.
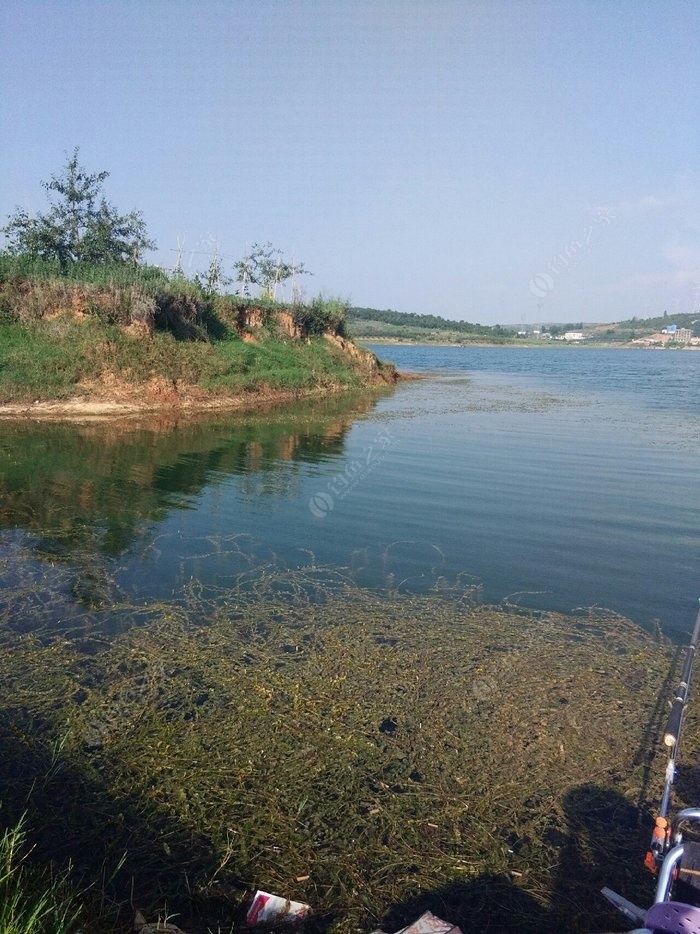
(33, 899)
(283, 365)
(36, 364)
(34, 268)
(373, 330)
(49, 360)
(64, 332)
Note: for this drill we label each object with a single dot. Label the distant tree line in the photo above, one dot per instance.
(684, 320)
(426, 322)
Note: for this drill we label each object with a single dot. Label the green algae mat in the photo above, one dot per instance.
(370, 754)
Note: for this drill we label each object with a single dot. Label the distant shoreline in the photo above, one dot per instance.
(545, 345)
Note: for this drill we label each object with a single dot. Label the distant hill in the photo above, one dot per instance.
(634, 328)
(371, 322)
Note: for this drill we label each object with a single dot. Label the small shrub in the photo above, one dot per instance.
(323, 315)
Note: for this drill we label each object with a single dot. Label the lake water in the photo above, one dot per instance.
(555, 477)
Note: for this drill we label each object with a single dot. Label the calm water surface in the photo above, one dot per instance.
(558, 477)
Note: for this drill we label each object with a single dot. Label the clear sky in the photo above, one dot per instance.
(497, 161)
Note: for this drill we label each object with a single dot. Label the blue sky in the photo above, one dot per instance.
(493, 161)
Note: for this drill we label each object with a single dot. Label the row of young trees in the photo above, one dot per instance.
(262, 266)
(82, 227)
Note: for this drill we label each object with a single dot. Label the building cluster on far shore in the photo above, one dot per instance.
(674, 335)
(547, 336)
(671, 334)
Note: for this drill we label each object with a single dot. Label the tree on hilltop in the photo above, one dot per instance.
(80, 225)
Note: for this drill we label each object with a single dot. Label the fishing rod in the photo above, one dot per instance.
(668, 854)
(661, 835)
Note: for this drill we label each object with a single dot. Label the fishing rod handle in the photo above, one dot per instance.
(673, 724)
(675, 717)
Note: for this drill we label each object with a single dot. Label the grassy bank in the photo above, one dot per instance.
(64, 358)
(96, 333)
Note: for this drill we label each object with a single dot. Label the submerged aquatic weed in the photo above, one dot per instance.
(369, 754)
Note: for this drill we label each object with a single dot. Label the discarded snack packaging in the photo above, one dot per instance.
(428, 923)
(273, 910)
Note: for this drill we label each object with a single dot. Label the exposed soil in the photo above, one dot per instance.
(112, 397)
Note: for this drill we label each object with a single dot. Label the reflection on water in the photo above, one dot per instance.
(97, 485)
(81, 504)
(511, 468)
